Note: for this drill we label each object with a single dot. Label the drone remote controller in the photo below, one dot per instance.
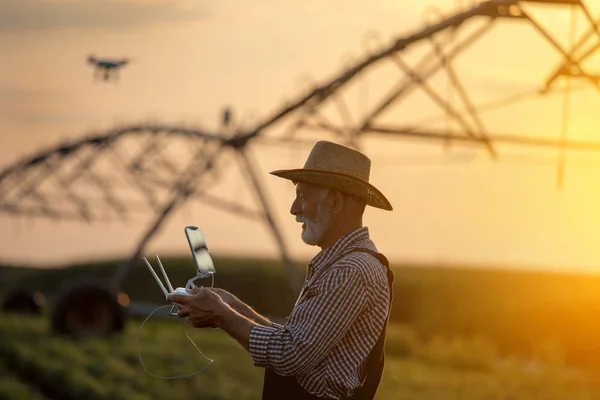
(204, 268)
(204, 265)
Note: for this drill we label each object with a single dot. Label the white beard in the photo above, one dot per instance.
(314, 230)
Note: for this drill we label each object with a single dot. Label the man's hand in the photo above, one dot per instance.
(204, 308)
(228, 298)
(239, 306)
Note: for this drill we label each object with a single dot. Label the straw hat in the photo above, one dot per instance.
(338, 167)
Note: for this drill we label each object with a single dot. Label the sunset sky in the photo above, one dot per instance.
(192, 58)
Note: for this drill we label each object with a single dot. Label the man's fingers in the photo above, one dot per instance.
(183, 312)
(197, 290)
(177, 298)
(203, 324)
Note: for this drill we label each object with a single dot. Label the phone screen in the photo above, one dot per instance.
(200, 253)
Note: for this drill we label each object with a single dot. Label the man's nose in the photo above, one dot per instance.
(295, 209)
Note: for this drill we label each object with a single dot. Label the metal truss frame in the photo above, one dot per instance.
(149, 170)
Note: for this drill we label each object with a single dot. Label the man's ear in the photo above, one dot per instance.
(338, 202)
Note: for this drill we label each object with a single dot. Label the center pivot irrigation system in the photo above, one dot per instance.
(157, 168)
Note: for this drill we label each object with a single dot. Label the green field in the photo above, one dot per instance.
(457, 334)
(110, 369)
(529, 313)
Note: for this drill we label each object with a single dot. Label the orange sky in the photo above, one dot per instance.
(192, 58)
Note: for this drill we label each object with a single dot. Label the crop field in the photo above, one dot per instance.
(36, 365)
(456, 334)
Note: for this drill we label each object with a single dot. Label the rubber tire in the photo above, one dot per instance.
(21, 301)
(87, 308)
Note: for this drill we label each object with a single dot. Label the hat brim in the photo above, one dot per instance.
(340, 181)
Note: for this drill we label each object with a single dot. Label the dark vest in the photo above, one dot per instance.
(277, 387)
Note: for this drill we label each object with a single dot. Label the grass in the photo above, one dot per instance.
(530, 313)
(457, 334)
(109, 368)
(12, 388)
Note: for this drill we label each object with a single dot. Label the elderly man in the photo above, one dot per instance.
(332, 344)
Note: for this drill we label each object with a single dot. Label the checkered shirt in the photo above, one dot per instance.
(335, 323)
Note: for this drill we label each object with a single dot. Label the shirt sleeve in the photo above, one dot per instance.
(314, 327)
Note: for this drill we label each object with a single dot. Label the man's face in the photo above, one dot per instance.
(311, 208)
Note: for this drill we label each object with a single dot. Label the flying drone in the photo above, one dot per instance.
(106, 67)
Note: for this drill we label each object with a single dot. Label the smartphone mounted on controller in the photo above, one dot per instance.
(204, 263)
(202, 259)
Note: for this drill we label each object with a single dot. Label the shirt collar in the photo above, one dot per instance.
(347, 241)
